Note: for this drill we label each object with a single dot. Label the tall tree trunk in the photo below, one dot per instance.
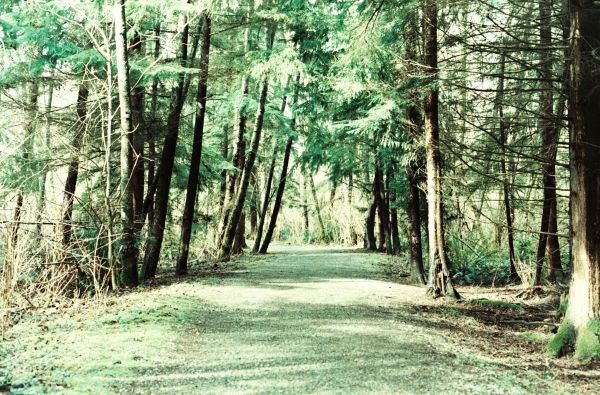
(284, 174)
(549, 144)
(13, 235)
(148, 204)
(223, 187)
(194, 175)
(41, 205)
(239, 148)
(138, 137)
(165, 169)
(391, 203)
(236, 213)
(267, 198)
(313, 189)
(414, 220)
(385, 243)
(506, 193)
(581, 325)
(129, 249)
(415, 120)
(73, 171)
(350, 203)
(440, 279)
(305, 209)
(370, 227)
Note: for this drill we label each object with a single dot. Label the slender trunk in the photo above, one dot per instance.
(129, 249)
(165, 169)
(148, 204)
(194, 175)
(284, 173)
(223, 187)
(236, 213)
(73, 171)
(324, 236)
(239, 149)
(138, 136)
(395, 235)
(41, 206)
(506, 192)
(370, 227)
(440, 279)
(305, 209)
(385, 243)
(412, 169)
(414, 218)
(549, 144)
(266, 200)
(350, 202)
(254, 203)
(13, 235)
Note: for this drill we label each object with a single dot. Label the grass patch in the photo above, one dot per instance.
(534, 337)
(498, 303)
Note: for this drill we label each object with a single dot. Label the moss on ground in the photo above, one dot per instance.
(534, 337)
(498, 303)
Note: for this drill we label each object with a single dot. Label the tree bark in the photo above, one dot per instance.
(73, 170)
(129, 249)
(313, 189)
(506, 193)
(440, 279)
(581, 325)
(165, 168)
(194, 175)
(549, 146)
(236, 213)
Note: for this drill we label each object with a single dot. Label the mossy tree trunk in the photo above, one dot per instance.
(581, 325)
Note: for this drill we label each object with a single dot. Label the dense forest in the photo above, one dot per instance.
(461, 139)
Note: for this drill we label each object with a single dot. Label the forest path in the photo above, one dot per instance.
(301, 320)
(318, 320)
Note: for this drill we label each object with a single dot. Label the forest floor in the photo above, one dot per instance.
(301, 320)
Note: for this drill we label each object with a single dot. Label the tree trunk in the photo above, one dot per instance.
(396, 248)
(284, 174)
(73, 171)
(506, 193)
(236, 213)
(305, 209)
(223, 187)
(194, 175)
(313, 189)
(138, 136)
(581, 325)
(412, 169)
(440, 279)
(41, 206)
(129, 249)
(148, 204)
(549, 145)
(13, 234)
(238, 150)
(370, 227)
(165, 168)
